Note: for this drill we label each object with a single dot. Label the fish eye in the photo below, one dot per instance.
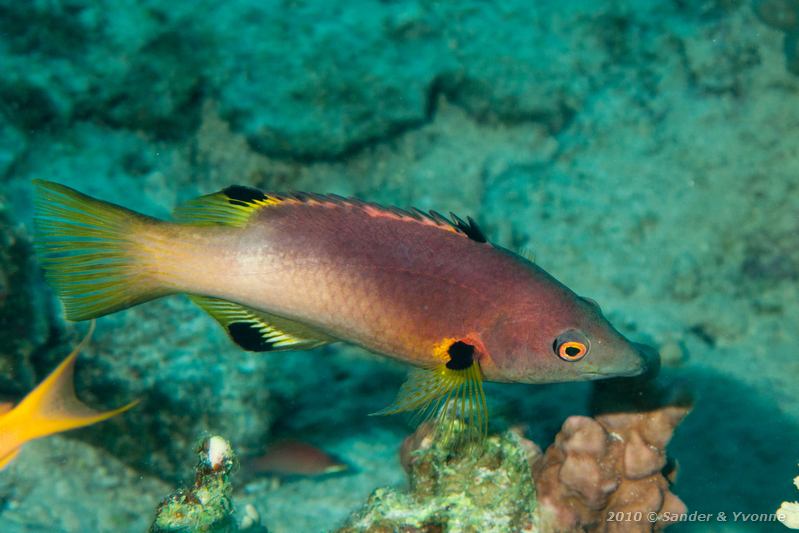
(571, 345)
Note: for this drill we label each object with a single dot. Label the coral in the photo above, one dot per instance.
(605, 474)
(206, 507)
(788, 513)
(783, 15)
(470, 487)
(12, 144)
(602, 474)
(792, 52)
(133, 67)
(780, 14)
(22, 327)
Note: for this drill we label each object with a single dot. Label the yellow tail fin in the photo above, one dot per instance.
(7, 458)
(51, 407)
(94, 253)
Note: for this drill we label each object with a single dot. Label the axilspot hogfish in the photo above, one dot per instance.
(296, 271)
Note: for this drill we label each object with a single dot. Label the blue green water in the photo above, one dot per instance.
(644, 152)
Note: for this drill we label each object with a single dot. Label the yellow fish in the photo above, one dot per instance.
(51, 407)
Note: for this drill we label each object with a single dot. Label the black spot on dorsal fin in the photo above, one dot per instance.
(461, 356)
(469, 227)
(223, 208)
(241, 195)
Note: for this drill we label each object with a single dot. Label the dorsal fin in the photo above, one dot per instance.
(527, 253)
(256, 331)
(470, 228)
(234, 205)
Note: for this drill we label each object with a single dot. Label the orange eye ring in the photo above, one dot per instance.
(571, 345)
(572, 350)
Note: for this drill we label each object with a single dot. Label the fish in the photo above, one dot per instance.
(294, 458)
(294, 271)
(50, 408)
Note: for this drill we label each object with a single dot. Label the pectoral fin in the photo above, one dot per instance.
(256, 331)
(451, 392)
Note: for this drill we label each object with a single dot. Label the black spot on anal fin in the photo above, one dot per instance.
(241, 195)
(461, 356)
(469, 227)
(248, 336)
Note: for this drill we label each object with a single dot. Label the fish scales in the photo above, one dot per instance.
(392, 284)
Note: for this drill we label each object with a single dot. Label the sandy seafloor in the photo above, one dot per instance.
(646, 152)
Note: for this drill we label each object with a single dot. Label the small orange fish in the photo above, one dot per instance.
(51, 407)
(295, 458)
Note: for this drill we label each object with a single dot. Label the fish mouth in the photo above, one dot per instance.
(588, 376)
(645, 361)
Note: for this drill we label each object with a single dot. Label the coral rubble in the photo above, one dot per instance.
(465, 488)
(206, 507)
(602, 474)
(782, 15)
(22, 327)
(606, 474)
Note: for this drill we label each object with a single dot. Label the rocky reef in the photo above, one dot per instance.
(486, 486)
(607, 473)
(207, 506)
(22, 325)
(645, 151)
(783, 15)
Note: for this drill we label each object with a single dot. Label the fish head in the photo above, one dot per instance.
(567, 339)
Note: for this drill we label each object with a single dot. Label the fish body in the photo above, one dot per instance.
(51, 407)
(294, 458)
(296, 271)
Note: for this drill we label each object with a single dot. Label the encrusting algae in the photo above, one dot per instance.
(485, 487)
(207, 506)
(597, 468)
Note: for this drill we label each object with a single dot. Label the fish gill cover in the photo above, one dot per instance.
(644, 151)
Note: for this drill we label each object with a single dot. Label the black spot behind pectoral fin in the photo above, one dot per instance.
(448, 393)
(461, 356)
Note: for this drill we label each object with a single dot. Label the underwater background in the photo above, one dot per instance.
(645, 152)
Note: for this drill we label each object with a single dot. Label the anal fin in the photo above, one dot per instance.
(257, 331)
